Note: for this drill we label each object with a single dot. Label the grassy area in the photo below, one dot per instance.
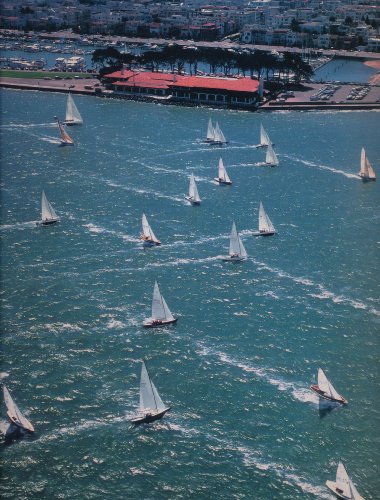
(9, 73)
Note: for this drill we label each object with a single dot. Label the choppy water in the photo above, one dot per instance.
(236, 368)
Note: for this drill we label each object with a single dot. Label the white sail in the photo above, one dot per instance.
(271, 157)
(325, 385)
(149, 397)
(236, 245)
(72, 114)
(210, 132)
(366, 169)
(265, 224)
(160, 309)
(65, 138)
(47, 211)
(14, 413)
(222, 173)
(264, 137)
(218, 134)
(147, 230)
(344, 483)
(193, 190)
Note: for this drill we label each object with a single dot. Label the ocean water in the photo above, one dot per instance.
(237, 367)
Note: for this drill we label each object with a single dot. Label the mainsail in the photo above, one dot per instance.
(222, 173)
(73, 117)
(265, 224)
(325, 385)
(160, 309)
(366, 170)
(149, 397)
(210, 132)
(147, 230)
(14, 413)
(47, 211)
(193, 190)
(271, 157)
(65, 138)
(236, 245)
(264, 137)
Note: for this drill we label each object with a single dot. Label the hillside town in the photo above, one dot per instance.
(352, 25)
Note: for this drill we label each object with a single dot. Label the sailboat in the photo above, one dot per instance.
(151, 405)
(48, 215)
(219, 138)
(161, 314)
(343, 487)
(193, 195)
(148, 237)
(366, 171)
(266, 228)
(237, 251)
(73, 117)
(271, 157)
(14, 414)
(325, 389)
(66, 140)
(222, 174)
(264, 138)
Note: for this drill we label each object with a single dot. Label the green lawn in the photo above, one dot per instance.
(9, 73)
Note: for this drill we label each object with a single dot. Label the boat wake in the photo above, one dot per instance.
(322, 292)
(51, 140)
(19, 225)
(92, 228)
(324, 167)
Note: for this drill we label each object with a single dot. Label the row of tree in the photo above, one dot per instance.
(177, 58)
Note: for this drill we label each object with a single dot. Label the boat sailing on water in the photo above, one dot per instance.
(148, 237)
(325, 389)
(14, 414)
(48, 214)
(215, 135)
(266, 228)
(161, 314)
(222, 174)
(73, 117)
(66, 140)
(343, 487)
(193, 195)
(237, 252)
(151, 405)
(264, 138)
(271, 157)
(366, 170)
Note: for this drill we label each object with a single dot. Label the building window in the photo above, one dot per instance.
(211, 97)
(202, 97)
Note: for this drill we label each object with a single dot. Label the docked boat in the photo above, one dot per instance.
(73, 117)
(193, 195)
(325, 389)
(271, 157)
(148, 237)
(48, 214)
(237, 252)
(161, 314)
(223, 177)
(366, 170)
(343, 487)
(264, 138)
(151, 406)
(266, 228)
(14, 413)
(66, 140)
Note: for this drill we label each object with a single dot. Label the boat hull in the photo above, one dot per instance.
(30, 427)
(151, 243)
(66, 143)
(322, 395)
(222, 181)
(233, 259)
(367, 179)
(47, 222)
(193, 202)
(149, 417)
(70, 123)
(158, 323)
(266, 233)
(338, 492)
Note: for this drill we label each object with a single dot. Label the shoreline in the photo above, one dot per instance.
(297, 103)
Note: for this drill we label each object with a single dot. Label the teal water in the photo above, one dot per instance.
(237, 366)
(345, 71)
